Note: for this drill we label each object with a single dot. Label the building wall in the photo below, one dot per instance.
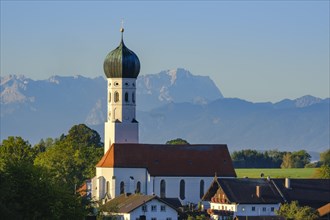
(121, 110)
(149, 184)
(169, 212)
(172, 190)
(246, 209)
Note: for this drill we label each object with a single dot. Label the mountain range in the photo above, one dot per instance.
(170, 104)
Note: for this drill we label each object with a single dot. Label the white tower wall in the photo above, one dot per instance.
(121, 125)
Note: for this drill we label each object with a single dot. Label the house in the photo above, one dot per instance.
(259, 198)
(242, 197)
(176, 171)
(138, 206)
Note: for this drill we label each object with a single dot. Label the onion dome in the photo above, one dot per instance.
(121, 62)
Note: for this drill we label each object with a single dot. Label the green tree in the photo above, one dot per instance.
(323, 172)
(292, 211)
(15, 149)
(287, 161)
(30, 192)
(177, 141)
(300, 158)
(325, 157)
(72, 158)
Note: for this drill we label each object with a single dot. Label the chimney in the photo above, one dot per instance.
(287, 183)
(258, 191)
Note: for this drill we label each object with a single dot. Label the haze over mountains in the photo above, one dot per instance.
(170, 104)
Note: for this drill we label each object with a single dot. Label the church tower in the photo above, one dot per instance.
(121, 67)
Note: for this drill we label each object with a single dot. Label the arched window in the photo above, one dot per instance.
(122, 187)
(182, 190)
(116, 97)
(126, 97)
(108, 187)
(201, 189)
(162, 189)
(138, 187)
(133, 97)
(109, 96)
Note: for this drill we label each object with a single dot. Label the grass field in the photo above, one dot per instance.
(277, 173)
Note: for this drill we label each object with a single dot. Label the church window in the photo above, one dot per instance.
(138, 187)
(201, 189)
(108, 187)
(182, 190)
(116, 97)
(133, 97)
(126, 97)
(162, 189)
(122, 187)
(109, 96)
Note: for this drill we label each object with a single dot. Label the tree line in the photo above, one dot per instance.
(40, 181)
(277, 159)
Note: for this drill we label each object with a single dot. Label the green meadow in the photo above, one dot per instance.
(303, 173)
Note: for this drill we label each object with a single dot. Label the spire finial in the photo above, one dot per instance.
(122, 29)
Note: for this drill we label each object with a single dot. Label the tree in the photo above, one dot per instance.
(72, 158)
(325, 157)
(256, 159)
(323, 172)
(287, 161)
(292, 211)
(15, 149)
(178, 141)
(30, 192)
(297, 159)
(300, 158)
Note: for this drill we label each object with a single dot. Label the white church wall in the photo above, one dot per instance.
(192, 187)
(124, 174)
(126, 133)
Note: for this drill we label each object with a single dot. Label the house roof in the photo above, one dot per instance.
(244, 190)
(308, 192)
(127, 204)
(171, 160)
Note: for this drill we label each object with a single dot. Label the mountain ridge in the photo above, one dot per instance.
(170, 104)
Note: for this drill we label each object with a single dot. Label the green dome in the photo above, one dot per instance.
(121, 63)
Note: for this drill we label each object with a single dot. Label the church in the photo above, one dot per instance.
(130, 167)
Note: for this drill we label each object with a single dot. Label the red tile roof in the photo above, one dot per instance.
(171, 160)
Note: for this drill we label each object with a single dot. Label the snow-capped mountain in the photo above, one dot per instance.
(171, 104)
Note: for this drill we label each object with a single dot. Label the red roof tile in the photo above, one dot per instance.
(171, 160)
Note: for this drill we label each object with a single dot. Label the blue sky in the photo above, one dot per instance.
(254, 50)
